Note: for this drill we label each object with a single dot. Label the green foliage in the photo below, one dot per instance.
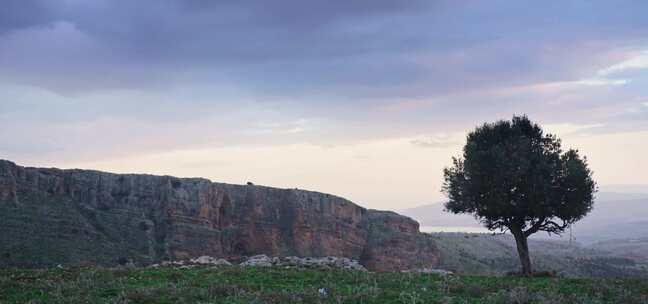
(513, 176)
(280, 285)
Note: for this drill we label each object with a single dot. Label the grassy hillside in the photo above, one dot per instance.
(636, 249)
(485, 254)
(281, 285)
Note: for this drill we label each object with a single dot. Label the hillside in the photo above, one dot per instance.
(485, 254)
(52, 216)
(636, 249)
(617, 226)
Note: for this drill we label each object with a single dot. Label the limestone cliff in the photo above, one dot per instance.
(52, 216)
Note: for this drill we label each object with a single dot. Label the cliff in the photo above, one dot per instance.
(53, 216)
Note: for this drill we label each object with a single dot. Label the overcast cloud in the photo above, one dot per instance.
(97, 80)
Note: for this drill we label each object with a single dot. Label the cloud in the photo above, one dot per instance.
(599, 82)
(634, 63)
(259, 86)
(164, 74)
(361, 49)
(20, 14)
(440, 140)
(284, 127)
(569, 129)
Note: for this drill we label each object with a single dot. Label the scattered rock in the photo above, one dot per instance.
(207, 260)
(263, 260)
(173, 263)
(306, 262)
(260, 260)
(324, 262)
(430, 271)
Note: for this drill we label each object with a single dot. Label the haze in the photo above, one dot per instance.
(364, 99)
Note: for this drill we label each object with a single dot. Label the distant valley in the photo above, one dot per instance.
(614, 233)
(487, 254)
(615, 216)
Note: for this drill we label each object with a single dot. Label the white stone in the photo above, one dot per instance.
(442, 272)
(261, 260)
(207, 260)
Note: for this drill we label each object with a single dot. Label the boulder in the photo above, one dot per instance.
(323, 262)
(207, 260)
(261, 260)
(430, 271)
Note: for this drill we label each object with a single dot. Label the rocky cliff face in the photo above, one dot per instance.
(51, 216)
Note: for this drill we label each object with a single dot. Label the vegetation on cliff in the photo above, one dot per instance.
(53, 216)
(287, 285)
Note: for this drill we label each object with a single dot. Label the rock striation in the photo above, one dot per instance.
(53, 216)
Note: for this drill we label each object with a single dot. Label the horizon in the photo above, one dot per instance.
(635, 191)
(366, 100)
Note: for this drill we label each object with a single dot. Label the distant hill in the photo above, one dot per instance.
(615, 216)
(616, 227)
(434, 215)
(486, 254)
(636, 249)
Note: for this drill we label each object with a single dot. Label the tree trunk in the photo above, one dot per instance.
(523, 252)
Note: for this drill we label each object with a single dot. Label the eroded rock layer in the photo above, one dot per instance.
(52, 216)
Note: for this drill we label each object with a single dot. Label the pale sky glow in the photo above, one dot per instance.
(368, 99)
(388, 174)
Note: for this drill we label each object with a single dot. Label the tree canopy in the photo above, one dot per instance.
(512, 176)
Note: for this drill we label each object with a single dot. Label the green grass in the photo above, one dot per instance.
(280, 285)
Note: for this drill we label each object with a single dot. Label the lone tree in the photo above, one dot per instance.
(514, 177)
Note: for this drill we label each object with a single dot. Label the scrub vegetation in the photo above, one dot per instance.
(233, 284)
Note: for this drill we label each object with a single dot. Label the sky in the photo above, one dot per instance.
(366, 99)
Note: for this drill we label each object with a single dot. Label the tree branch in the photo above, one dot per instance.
(535, 227)
(549, 226)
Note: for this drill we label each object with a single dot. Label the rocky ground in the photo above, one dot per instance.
(263, 260)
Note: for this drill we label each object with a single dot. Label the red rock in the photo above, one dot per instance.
(91, 216)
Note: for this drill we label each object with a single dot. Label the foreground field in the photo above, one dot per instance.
(280, 285)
